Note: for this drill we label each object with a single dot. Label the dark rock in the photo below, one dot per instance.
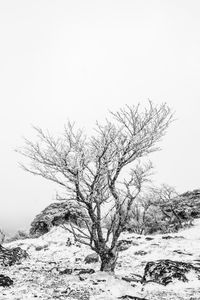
(183, 253)
(80, 293)
(141, 252)
(5, 280)
(9, 257)
(56, 214)
(77, 271)
(167, 237)
(68, 242)
(67, 271)
(123, 245)
(84, 271)
(186, 206)
(91, 258)
(77, 259)
(42, 247)
(149, 238)
(101, 280)
(127, 297)
(165, 271)
(133, 278)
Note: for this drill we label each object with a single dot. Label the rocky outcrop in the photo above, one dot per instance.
(123, 245)
(91, 258)
(129, 297)
(166, 271)
(9, 257)
(56, 214)
(5, 280)
(186, 205)
(166, 216)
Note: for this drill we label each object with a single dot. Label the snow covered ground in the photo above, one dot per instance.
(39, 277)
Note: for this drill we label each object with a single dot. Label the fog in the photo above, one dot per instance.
(77, 60)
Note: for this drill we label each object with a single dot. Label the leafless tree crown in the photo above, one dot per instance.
(91, 169)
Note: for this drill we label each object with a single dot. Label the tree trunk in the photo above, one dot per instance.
(108, 260)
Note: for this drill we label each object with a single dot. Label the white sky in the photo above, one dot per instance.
(79, 59)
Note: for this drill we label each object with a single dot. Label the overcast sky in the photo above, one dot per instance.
(79, 59)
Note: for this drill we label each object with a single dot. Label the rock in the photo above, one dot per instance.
(67, 271)
(56, 214)
(77, 259)
(91, 258)
(136, 278)
(183, 253)
(41, 247)
(9, 257)
(123, 245)
(76, 271)
(167, 237)
(186, 207)
(5, 280)
(68, 242)
(149, 238)
(127, 297)
(141, 252)
(166, 271)
(84, 271)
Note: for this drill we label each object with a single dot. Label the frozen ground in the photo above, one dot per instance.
(39, 276)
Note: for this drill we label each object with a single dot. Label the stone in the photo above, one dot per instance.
(149, 238)
(123, 245)
(76, 271)
(127, 297)
(41, 247)
(9, 257)
(84, 271)
(167, 237)
(166, 271)
(5, 280)
(68, 242)
(67, 271)
(132, 278)
(182, 253)
(91, 258)
(140, 252)
(56, 214)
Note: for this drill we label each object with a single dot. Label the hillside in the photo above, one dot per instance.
(43, 275)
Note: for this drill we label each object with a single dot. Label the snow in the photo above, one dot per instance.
(39, 277)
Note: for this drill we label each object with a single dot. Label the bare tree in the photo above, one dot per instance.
(103, 172)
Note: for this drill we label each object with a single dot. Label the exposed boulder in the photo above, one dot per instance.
(41, 247)
(185, 206)
(76, 271)
(123, 245)
(127, 297)
(166, 271)
(5, 280)
(9, 257)
(141, 252)
(165, 216)
(91, 258)
(56, 214)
